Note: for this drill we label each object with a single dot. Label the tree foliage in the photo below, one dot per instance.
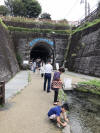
(4, 10)
(45, 16)
(24, 8)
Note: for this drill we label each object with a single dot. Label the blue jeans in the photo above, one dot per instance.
(47, 76)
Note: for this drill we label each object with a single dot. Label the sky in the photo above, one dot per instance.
(71, 10)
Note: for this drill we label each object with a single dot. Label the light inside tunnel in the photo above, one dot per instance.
(41, 50)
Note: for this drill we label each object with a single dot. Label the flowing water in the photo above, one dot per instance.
(84, 112)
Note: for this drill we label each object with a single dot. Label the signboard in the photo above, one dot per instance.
(25, 62)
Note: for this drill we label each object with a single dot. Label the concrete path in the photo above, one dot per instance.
(80, 77)
(18, 82)
(27, 111)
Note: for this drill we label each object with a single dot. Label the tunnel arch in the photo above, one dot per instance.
(42, 50)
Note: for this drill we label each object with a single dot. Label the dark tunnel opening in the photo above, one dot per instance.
(41, 51)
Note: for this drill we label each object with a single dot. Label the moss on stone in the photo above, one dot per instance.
(37, 30)
(91, 86)
(85, 26)
(73, 55)
(3, 24)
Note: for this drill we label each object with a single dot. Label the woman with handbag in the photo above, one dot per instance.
(57, 84)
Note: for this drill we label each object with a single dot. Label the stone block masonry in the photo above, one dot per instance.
(84, 53)
(8, 62)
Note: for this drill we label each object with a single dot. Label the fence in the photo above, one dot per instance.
(2, 92)
(87, 18)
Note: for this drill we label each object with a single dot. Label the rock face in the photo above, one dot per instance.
(84, 52)
(8, 62)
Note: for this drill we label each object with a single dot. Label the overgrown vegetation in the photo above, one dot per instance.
(36, 21)
(91, 86)
(85, 26)
(3, 24)
(18, 57)
(91, 82)
(62, 97)
(11, 28)
(36, 30)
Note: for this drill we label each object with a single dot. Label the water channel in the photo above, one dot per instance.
(84, 112)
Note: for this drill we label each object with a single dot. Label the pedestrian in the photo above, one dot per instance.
(42, 69)
(57, 66)
(57, 84)
(34, 66)
(47, 76)
(55, 114)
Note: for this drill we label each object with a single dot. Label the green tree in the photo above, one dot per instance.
(45, 16)
(25, 8)
(9, 5)
(4, 10)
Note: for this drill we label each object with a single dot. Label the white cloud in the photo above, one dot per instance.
(68, 9)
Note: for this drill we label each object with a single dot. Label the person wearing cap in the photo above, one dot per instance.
(47, 77)
(55, 114)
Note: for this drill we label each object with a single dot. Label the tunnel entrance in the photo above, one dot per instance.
(42, 51)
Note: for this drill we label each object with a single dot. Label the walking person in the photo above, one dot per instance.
(34, 66)
(57, 84)
(47, 76)
(42, 69)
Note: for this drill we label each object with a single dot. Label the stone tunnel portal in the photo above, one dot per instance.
(43, 51)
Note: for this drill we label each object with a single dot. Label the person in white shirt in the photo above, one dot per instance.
(47, 76)
(42, 69)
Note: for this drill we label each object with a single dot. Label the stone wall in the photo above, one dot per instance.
(36, 25)
(21, 41)
(8, 62)
(84, 52)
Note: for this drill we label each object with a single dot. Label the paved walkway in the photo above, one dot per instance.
(17, 83)
(27, 111)
(80, 77)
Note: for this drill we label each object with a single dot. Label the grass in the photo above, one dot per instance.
(2, 105)
(85, 26)
(34, 30)
(3, 24)
(62, 97)
(91, 86)
(95, 83)
(35, 21)
(37, 30)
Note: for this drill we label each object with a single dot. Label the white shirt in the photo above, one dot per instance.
(48, 68)
(42, 69)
